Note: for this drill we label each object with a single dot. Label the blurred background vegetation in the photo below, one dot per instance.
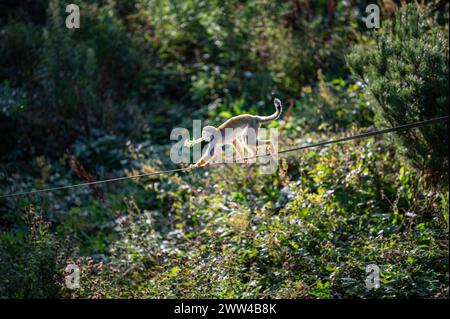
(103, 99)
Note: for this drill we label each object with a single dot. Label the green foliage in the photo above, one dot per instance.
(111, 92)
(406, 72)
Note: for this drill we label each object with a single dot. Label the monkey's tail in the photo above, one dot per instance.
(274, 116)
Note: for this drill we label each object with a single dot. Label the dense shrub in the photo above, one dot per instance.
(406, 72)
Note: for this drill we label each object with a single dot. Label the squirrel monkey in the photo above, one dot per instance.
(243, 128)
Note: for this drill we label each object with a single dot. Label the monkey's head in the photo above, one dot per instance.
(208, 135)
(209, 132)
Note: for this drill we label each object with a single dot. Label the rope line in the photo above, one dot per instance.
(344, 139)
(37, 191)
(368, 134)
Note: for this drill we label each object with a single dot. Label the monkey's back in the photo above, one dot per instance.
(239, 121)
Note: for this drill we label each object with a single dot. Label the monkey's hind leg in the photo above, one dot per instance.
(206, 158)
(237, 144)
(251, 147)
(268, 145)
